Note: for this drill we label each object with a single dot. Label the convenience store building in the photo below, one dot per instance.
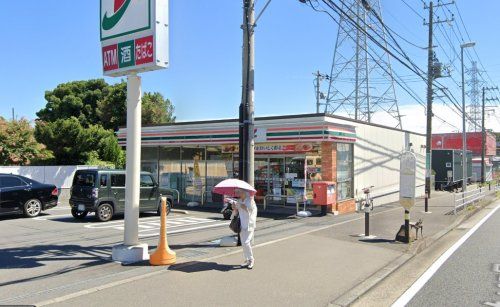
(291, 152)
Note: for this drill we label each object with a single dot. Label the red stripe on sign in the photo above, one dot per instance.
(118, 4)
(144, 50)
(110, 57)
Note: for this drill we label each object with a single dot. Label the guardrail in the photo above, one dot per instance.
(281, 197)
(466, 198)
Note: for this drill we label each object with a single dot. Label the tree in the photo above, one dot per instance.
(156, 109)
(96, 102)
(18, 145)
(80, 117)
(72, 143)
(77, 99)
(112, 110)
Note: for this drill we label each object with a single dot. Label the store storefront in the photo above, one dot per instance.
(291, 152)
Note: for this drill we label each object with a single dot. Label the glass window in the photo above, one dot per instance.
(149, 160)
(118, 180)
(219, 167)
(85, 179)
(10, 181)
(344, 171)
(193, 172)
(146, 181)
(104, 180)
(170, 167)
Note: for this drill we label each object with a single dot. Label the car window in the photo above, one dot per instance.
(146, 181)
(118, 180)
(10, 181)
(104, 180)
(84, 179)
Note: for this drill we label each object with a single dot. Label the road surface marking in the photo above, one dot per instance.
(424, 278)
(142, 235)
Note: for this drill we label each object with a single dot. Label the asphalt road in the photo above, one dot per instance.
(471, 275)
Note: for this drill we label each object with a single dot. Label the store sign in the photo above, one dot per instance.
(134, 36)
(272, 148)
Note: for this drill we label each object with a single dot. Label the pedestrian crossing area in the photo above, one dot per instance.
(150, 226)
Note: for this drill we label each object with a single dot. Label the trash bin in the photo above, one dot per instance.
(324, 195)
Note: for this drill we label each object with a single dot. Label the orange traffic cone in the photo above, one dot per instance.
(163, 254)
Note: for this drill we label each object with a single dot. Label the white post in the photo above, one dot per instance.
(133, 167)
(132, 250)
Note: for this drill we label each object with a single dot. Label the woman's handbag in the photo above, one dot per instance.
(235, 224)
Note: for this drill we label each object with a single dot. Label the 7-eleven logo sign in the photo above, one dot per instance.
(123, 17)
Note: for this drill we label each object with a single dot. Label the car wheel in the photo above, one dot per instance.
(79, 214)
(32, 208)
(104, 212)
(169, 205)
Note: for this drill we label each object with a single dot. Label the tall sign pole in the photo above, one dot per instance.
(134, 39)
(246, 151)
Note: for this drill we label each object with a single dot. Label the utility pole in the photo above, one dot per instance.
(13, 117)
(428, 144)
(431, 75)
(319, 77)
(483, 130)
(246, 121)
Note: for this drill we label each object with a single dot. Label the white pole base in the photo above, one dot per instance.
(428, 212)
(130, 253)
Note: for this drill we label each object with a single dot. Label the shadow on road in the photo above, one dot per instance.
(36, 256)
(197, 266)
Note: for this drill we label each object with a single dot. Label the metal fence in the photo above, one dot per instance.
(461, 200)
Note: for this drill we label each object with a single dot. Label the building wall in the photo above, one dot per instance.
(474, 142)
(376, 150)
(376, 161)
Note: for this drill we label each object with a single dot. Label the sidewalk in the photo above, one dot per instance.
(319, 263)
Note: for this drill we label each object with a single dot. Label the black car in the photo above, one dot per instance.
(19, 194)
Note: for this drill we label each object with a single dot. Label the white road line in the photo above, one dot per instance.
(183, 230)
(417, 286)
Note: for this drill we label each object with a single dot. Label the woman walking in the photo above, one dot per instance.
(247, 211)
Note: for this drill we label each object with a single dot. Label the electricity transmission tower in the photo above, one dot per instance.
(361, 81)
(475, 97)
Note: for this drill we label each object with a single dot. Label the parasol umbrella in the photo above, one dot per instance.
(229, 186)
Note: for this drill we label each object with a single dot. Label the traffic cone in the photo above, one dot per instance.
(163, 254)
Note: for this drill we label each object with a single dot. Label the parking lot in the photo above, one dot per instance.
(54, 251)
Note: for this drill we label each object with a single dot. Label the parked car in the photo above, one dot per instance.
(19, 194)
(103, 192)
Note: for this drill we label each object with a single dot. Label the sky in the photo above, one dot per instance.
(58, 41)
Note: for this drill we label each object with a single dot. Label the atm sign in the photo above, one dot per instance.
(128, 54)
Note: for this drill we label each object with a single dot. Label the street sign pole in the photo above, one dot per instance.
(407, 183)
(134, 39)
(133, 166)
(132, 250)
(407, 226)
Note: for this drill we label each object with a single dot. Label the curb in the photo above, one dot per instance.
(351, 296)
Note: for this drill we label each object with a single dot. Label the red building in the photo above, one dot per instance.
(454, 141)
